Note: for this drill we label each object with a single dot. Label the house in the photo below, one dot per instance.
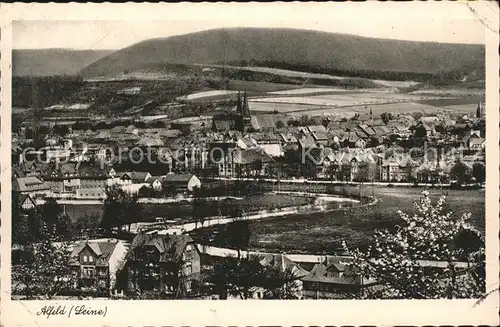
(334, 279)
(150, 141)
(266, 123)
(26, 202)
(246, 143)
(477, 143)
(56, 153)
(321, 138)
(393, 170)
(167, 265)
(422, 130)
(247, 163)
(155, 182)
(283, 264)
(31, 186)
(306, 142)
(354, 141)
(288, 138)
(96, 263)
(317, 129)
(134, 177)
(268, 142)
(367, 130)
(183, 182)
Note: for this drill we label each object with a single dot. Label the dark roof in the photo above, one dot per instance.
(307, 142)
(177, 178)
(317, 129)
(170, 247)
(319, 136)
(151, 179)
(320, 274)
(29, 184)
(265, 121)
(90, 170)
(245, 157)
(367, 130)
(281, 262)
(103, 250)
(265, 137)
(136, 176)
(381, 130)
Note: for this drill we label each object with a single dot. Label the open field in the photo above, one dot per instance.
(306, 75)
(77, 211)
(349, 103)
(213, 95)
(450, 92)
(323, 232)
(446, 102)
(310, 91)
(377, 109)
(280, 72)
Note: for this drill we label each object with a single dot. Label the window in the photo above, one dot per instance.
(188, 269)
(188, 285)
(91, 258)
(85, 258)
(88, 271)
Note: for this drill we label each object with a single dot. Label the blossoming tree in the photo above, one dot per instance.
(429, 255)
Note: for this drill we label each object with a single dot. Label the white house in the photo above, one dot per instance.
(182, 181)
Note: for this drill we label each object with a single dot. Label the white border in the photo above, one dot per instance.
(247, 313)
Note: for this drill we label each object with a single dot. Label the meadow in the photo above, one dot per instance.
(323, 232)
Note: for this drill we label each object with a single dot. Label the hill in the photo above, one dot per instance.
(301, 50)
(47, 62)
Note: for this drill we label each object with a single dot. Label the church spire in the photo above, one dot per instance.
(246, 109)
(239, 107)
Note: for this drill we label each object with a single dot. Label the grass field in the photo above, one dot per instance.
(348, 103)
(322, 232)
(377, 109)
(452, 102)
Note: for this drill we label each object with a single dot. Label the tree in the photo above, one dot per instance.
(236, 277)
(386, 117)
(280, 124)
(479, 172)
(417, 115)
(88, 224)
(61, 130)
(56, 222)
(120, 208)
(398, 256)
(199, 206)
(280, 284)
(461, 173)
(46, 273)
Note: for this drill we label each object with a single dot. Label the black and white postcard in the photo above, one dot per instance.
(250, 157)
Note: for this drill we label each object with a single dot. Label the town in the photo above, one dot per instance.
(231, 181)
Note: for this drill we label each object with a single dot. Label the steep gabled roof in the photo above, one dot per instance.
(102, 249)
(136, 176)
(177, 178)
(170, 247)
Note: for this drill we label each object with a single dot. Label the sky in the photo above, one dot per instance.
(104, 27)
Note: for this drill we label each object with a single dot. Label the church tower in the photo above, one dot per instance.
(480, 110)
(245, 109)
